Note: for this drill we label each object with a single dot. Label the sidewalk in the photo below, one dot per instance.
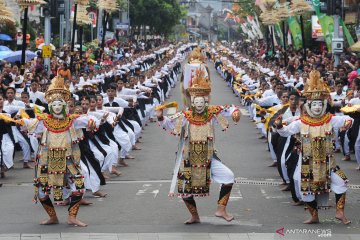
(172, 236)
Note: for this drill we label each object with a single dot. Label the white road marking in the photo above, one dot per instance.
(149, 189)
(236, 193)
(155, 192)
(263, 192)
(238, 181)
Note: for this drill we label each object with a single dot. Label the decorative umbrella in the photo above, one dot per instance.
(3, 54)
(16, 56)
(356, 47)
(43, 44)
(5, 37)
(4, 48)
(6, 15)
(29, 3)
(299, 7)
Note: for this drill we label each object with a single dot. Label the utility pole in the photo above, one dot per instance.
(47, 32)
(334, 7)
(60, 10)
(61, 30)
(47, 37)
(23, 48)
(336, 36)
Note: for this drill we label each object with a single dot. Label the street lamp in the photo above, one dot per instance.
(82, 19)
(268, 18)
(208, 10)
(282, 12)
(299, 7)
(108, 6)
(77, 2)
(25, 4)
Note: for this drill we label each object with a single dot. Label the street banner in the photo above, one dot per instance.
(316, 31)
(347, 34)
(326, 22)
(279, 33)
(295, 29)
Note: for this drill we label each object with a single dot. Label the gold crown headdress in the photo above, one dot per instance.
(315, 87)
(196, 56)
(200, 84)
(57, 90)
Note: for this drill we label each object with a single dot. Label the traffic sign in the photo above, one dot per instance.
(46, 51)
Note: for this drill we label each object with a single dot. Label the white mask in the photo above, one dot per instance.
(57, 107)
(199, 104)
(316, 108)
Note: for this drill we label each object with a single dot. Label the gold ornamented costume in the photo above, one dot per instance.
(317, 170)
(196, 161)
(58, 155)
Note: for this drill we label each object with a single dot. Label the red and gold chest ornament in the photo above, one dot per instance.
(306, 119)
(57, 125)
(202, 119)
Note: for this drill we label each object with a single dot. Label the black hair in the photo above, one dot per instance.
(92, 97)
(26, 93)
(112, 86)
(10, 88)
(85, 98)
(294, 93)
(339, 82)
(357, 82)
(278, 83)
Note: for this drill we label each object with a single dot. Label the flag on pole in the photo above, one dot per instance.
(295, 29)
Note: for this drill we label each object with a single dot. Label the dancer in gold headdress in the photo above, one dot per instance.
(196, 160)
(58, 158)
(317, 172)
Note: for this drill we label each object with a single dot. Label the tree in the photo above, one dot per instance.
(159, 15)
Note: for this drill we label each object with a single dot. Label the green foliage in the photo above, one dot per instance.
(160, 15)
(9, 29)
(248, 8)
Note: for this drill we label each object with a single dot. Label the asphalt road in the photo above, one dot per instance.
(138, 202)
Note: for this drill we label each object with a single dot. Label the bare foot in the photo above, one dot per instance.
(298, 203)
(100, 194)
(274, 164)
(224, 215)
(76, 222)
(85, 202)
(136, 148)
(286, 188)
(312, 220)
(341, 216)
(115, 171)
(27, 165)
(50, 221)
(105, 176)
(192, 220)
(123, 163)
(129, 157)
